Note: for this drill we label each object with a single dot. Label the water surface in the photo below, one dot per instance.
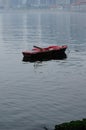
(38, 95)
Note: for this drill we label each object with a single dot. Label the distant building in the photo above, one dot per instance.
(78, 1)
(5, 3)
(39, 3)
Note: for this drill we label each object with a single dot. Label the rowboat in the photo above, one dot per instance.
(43, 54)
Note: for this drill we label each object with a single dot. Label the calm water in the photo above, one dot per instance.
(38, 95)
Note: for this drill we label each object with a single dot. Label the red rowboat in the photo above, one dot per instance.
(48, 53)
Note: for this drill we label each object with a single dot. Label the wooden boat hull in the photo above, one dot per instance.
(49, 53)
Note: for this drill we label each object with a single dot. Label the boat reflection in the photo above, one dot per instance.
(59, 57)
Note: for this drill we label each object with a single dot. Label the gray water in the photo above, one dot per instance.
(41, 94)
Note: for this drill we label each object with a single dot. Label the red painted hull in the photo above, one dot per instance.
(40, 54)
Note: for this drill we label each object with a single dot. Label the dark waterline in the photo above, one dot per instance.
(41, 94)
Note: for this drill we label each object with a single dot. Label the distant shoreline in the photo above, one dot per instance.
(33, 11)
(39, 10)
